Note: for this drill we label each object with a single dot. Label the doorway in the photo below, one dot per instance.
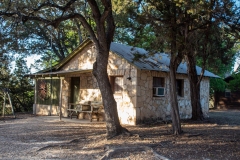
(75, 89)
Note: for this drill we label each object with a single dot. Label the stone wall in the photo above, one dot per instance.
(83, 60)
(152, 108)
(47, 110)
(204, 94)
(126, 102)
(89, 92)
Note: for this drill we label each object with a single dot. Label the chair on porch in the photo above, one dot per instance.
(74, 109)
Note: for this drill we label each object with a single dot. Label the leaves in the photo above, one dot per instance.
(234, 84)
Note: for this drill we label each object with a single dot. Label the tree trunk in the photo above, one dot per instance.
(176, 124)
(105, 30)
(110, 106)
(194, 89)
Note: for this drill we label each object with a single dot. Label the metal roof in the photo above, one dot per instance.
(157, 62)
(58, 73)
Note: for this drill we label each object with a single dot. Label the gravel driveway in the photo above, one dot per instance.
(225, 117)
(45, 137)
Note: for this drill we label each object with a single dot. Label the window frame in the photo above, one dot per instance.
(227, 93)
(158, 82)
(180, 90)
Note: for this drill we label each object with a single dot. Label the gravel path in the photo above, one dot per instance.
(43, 137)
(225, 117)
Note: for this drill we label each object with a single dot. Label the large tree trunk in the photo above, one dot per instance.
(176, 124)
(105, 32)
(194, 89)
(110, 107)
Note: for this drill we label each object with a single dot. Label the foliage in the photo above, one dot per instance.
(217, 84)
(20, 87)
(220, 57)
(234, 84)
(33, 37)
(4, 76)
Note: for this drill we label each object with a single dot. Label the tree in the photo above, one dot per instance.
(128, 29)
(195, 26)
(35, 38)
(160, 18)
(5, 75)
(234, 84)
(53, 13)
(221, 62)
(205, 36)
(21, 87)
(204, 29)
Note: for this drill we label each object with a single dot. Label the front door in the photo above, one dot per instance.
(75, 89)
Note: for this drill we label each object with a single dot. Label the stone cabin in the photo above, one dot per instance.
(141, 87)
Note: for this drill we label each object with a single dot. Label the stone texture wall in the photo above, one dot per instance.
(47, 110)
(204, 94)
(83, 60)
(89, 88)
(149, 107)
(126, 102)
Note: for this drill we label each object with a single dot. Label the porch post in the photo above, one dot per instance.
(60, 99)
(4, 104)
(35, 96)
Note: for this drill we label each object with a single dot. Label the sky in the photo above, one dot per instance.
(31, 60)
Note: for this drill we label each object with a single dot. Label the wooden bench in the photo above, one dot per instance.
(89, 107)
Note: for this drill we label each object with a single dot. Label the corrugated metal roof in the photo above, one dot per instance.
(157, 62)
(59, 73)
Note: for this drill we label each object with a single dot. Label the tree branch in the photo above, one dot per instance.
(95, 10)
(48, 3)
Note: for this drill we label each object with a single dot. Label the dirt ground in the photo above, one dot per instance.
(45, 137)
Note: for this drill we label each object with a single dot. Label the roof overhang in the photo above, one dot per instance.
(58, 73)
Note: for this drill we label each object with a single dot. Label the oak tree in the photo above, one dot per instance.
(52, 13)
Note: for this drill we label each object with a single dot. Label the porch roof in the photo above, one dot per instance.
(58, 73)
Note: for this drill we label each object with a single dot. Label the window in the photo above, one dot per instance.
(117, 84)
(227, 93)
(180, 87)
(48, 91)
(158, 86)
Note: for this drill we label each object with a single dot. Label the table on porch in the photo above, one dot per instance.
(89, 107)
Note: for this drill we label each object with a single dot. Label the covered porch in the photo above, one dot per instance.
(59, 92)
